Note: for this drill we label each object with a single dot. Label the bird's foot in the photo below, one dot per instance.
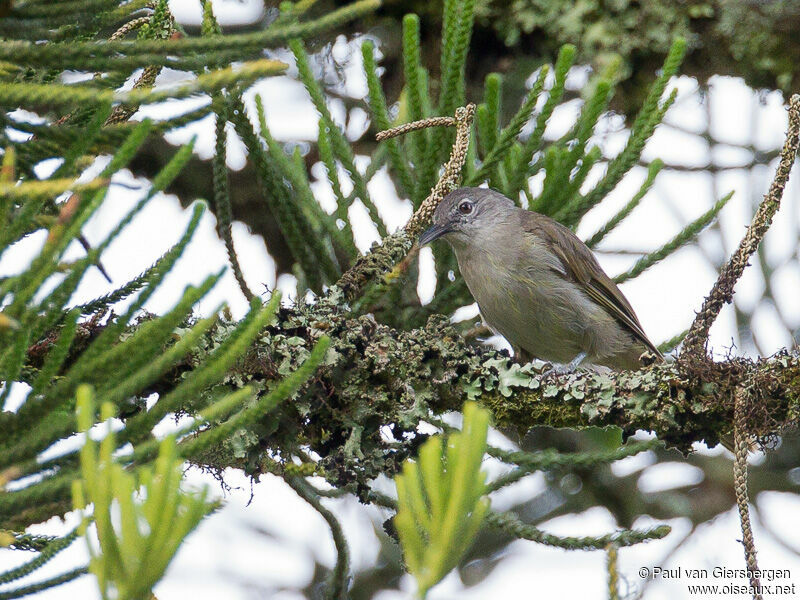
(567, 369)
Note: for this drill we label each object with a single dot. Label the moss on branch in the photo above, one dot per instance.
(361, 411)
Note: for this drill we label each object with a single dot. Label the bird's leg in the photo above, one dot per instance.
(521, 355)
(566, 369)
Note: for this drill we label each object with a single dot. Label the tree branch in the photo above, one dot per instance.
(361, 411)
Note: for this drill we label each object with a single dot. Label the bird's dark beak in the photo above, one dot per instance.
(434, 232)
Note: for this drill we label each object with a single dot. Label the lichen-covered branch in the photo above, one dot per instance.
(361, 411)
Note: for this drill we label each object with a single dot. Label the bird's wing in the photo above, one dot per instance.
(579, 264)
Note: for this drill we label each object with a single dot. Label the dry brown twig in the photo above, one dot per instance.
(147, 79)
(741, 444)
(128, 27)
(452, 170)
(722, 292)
(415, 126)
(695, 346)
(389, 260)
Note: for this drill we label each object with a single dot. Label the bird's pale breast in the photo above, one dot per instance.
(540, 311)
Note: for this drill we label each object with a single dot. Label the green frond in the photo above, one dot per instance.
(341, 147)
(128, 148)
(653, 169)
(487, 114)
(12, 358)
(450, 20)
(553, 199)
(566, 56)
(572, 210)
(380, 113)
(81, 146)
(328, 159)
(219, 169)
(47, 189)
(686, 235)
(530, 462)
(440, 500)
(159, 25)
(59, 236)
(511, 524)
(416, 93)
(13, 229)
(264, 405)
(113, 330)
(73, 95)
(275, 194)
(35, 588)
(673, 342)
(185, 53)
(138, 543)
(459, 22)
(57, 355)
(504, 142)
(643, 126)
(308, 214)
(212, 370)
(128, 289)
(137, 351)
(133, 359)
(49, 552)
(210, 26)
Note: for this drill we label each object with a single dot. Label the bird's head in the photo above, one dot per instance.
(466, 214)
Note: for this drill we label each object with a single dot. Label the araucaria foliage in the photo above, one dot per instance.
(337, 384)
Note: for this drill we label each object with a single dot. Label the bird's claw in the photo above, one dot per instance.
(566, 369)
(557, 371)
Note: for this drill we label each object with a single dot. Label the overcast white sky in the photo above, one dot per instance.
(227, 557)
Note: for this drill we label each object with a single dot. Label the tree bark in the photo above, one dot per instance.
(361, 409)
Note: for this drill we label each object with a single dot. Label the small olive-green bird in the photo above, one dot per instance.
(537, 284)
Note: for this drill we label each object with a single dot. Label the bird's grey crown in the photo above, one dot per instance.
(485, 201)
(477, 195)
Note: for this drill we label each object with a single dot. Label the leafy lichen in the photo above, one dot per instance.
(361, 411)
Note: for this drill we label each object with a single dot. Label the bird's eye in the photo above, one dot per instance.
(465, 207)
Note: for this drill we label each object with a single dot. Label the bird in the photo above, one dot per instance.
(538, 285)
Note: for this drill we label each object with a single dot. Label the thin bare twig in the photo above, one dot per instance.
(696, 343)
(415, 126)
(128, 27)
(380, 263)
(722, 292)
(452, 170)
(741, 446)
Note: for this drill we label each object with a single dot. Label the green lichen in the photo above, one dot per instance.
(361, 411)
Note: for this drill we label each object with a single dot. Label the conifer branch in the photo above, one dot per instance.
(531, 145)
(222, 199)
(190, 53)
(676, 243)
